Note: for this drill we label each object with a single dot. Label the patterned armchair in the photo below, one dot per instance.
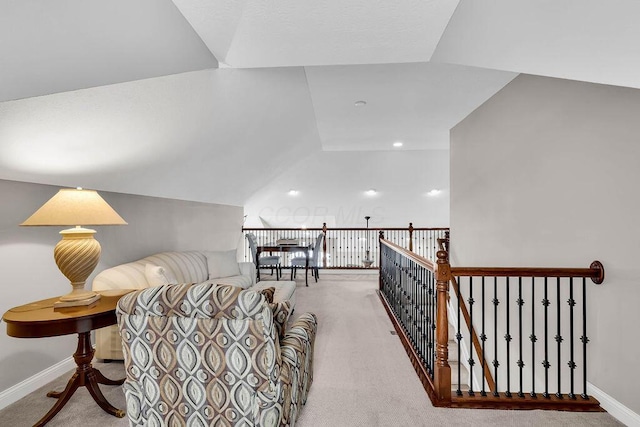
(199, 355)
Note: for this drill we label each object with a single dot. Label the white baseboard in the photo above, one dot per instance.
(31, 384)
(613, 407)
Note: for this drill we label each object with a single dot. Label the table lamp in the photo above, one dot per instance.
(78, 253)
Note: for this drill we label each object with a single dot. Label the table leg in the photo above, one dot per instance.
(86, 376)
(306, 268)
(101, 379)
(257, 261)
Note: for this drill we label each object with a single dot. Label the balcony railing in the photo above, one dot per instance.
(351, 248)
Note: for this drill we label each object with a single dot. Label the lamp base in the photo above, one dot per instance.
(76, 303)
(76, 255)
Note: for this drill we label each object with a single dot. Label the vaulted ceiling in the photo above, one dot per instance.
(209, 100)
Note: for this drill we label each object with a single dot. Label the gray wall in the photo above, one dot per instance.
(29, 272)
(546, 174)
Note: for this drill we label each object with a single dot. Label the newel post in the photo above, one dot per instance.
(324, 245)
(442, 377)
(411, 236)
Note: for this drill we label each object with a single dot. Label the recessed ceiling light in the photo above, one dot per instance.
(293, 192)
(360, 103)
(397, 144)
(371, 192)
(434, 192)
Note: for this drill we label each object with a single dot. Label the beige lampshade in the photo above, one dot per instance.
(72, 206)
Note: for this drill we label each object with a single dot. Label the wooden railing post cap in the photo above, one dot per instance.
(442, 257)
(597, 265)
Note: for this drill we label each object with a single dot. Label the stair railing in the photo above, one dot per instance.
(526, 321)
(414, 292)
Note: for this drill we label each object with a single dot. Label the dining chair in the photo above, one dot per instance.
(314, 259)
(272, 261)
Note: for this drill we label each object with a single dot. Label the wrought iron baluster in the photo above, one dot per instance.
(421, 328)
(559, 341)
(584, 339)
(520, 303)
(496, 363)
(483, 338)
(533, 338)
(432, 281)
(507, 338)
(459, 337)
(572, 363)
(414, 302)
(471, 361)
(545, 362)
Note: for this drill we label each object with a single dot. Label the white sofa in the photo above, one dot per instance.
(218, 267)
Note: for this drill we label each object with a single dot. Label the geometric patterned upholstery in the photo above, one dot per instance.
(207, 354)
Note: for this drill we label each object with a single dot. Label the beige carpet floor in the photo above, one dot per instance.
(362, 375)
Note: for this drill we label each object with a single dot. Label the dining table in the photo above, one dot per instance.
(286, 247)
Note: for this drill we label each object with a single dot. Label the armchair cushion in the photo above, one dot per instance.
(281, 311)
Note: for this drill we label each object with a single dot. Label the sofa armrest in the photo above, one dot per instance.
(296, 349)
(248, 269)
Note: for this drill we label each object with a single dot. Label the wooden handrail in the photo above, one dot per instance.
(595, 272)
(430, 265)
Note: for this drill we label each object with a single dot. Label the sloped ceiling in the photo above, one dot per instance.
(62, 45)
(309, 32)
(128, 96)
(211, 135)
(589, 40)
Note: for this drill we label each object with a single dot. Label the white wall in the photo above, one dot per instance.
(30, 273)
(545, 174)
(332, 189)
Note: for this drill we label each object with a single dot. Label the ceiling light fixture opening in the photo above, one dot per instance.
(360, 103)
(293, 192)
(371, 192)
(397, 144)
(434, 192)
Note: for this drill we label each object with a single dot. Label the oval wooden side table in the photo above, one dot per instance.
(39, 319)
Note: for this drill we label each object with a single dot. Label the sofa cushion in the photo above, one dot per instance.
(186, 267)
(124, 276)
(285, 290)
(222, 264)
(243, 282)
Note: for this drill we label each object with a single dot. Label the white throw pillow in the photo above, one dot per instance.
(158, 276)
(222, 264)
